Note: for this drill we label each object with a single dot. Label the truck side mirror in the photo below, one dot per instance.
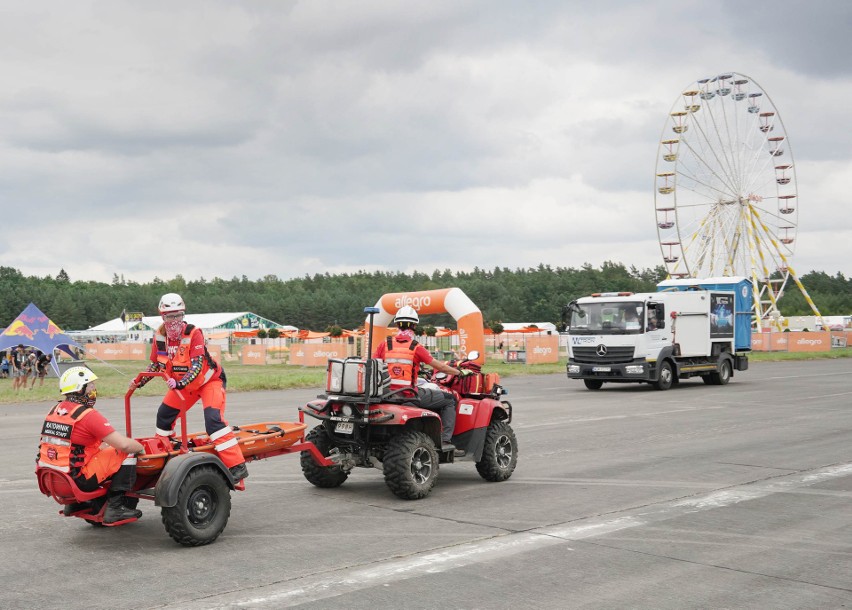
(570, 308)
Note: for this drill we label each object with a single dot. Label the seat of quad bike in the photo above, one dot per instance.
(401, 396)
(62, 488)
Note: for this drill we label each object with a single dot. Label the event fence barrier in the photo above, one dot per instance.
(533, 350)
(821, 341)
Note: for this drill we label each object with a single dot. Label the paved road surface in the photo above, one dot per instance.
(699, 497)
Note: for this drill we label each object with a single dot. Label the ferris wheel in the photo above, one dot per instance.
(725, 194)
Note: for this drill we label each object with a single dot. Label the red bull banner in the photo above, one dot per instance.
(118, 351)
(317, 354)
(544, 348)
(253, 354)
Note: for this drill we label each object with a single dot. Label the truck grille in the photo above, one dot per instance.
(614, 355)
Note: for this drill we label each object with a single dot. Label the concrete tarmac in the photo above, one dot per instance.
(737, 496)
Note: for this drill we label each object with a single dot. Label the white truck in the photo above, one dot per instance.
(688, 328)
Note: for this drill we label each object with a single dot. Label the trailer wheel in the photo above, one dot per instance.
(411, 465)
(500, 453)
(202, 509)
(593, 384)
(666, 378)
(723, 376)
(321, 476)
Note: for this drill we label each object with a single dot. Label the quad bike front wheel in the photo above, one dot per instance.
(202, 509)
(411, 465)
(316, 474)
(500, 453)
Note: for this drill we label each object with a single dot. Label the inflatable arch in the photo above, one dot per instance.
(446, 300)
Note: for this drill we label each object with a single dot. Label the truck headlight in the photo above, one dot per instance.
(573, 368)
(634, 369)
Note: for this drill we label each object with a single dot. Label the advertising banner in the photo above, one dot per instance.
(253, 354)
(809, 342)
(543, 348)
(760, 342)
(118, 351)
(721, 315)
(778, 342)
(317, 354)
(215, 352)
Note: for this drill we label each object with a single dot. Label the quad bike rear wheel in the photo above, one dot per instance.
(500, 453)
(202, 509)
(321, 476)
(411, 465)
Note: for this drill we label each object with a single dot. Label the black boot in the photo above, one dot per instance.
(76, 507)
(117, 511)
(239, 472)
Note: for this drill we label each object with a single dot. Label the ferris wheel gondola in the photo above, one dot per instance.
(725, 193)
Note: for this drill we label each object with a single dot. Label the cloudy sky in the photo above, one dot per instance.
(227, 138)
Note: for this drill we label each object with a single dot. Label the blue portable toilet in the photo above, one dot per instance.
(743, 301)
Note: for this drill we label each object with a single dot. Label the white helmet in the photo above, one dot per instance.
(75, 379)
(170, 303)
(406, 314)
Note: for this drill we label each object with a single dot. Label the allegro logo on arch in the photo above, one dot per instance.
(415, 302)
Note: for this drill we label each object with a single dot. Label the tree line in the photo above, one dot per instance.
(321, 301)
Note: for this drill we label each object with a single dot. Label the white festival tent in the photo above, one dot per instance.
(208, 322)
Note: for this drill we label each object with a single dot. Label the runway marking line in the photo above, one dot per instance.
(340, 582)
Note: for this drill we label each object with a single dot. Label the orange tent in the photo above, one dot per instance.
(245, 334)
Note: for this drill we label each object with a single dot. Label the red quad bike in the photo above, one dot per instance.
(365, 425)
(185, 478)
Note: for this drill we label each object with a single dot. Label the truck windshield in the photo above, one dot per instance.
(620, 318)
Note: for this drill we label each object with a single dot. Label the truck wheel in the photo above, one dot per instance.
(411, 465)
(593, 384)
(321, 476)
(664, 382)
(723, 376)
(500, 453)
(202, 509)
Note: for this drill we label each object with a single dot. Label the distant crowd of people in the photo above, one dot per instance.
(24, 366)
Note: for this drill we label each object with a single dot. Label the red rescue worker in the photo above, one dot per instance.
(404, 355)
(71, 438)
(193, 375)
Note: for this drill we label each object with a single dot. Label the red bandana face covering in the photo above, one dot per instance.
(406, 334)
(174, 328)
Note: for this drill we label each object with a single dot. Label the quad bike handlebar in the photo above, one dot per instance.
(135, 386)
